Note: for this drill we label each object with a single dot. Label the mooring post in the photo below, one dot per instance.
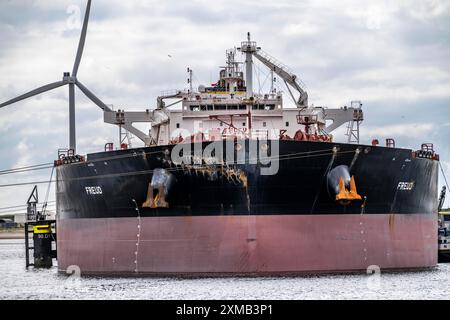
(27, 247)
(43, 235)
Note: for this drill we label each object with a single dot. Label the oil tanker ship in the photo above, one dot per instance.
(233, 183)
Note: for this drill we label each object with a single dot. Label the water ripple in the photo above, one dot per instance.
(17, 283)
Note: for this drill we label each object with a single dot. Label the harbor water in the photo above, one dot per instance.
(19, 283)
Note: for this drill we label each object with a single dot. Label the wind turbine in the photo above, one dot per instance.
(71, 81)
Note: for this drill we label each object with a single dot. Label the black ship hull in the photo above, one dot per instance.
(112, 189)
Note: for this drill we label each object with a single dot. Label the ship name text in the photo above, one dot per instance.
(93, 190)
(405, 186)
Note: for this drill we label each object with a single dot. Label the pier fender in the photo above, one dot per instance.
(159, 188)
(342, 186)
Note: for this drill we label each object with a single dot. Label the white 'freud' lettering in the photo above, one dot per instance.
(93, 190)
(405, 186)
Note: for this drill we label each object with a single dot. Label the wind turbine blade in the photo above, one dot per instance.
(92, 96)
(82, 40)
(34, 92)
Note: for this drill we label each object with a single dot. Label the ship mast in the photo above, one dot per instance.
(189, 70)
(249, 48)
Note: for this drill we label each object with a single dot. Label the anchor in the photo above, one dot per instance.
(161, 182)
(346, 196)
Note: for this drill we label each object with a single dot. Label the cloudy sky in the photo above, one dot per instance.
(392, 55)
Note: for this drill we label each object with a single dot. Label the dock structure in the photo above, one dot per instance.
(44, 235)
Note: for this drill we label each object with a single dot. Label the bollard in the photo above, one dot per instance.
(42, 242)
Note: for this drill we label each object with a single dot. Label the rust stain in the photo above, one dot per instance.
(187, 219)
(391, 221)
(243, 179)
(155, 201)
(149, 199)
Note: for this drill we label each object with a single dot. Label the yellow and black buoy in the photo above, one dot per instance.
(42, 247)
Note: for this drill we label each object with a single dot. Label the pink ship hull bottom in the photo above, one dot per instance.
(247, 244)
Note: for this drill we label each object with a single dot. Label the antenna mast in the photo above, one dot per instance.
(189, 70)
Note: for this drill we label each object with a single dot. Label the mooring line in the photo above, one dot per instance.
(330, 164)
(355, 157)
(44, 206)
(443, 174)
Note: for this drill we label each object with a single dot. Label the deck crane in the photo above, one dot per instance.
(125, 120)
(288, 77)
(307, 114)
(249, 48)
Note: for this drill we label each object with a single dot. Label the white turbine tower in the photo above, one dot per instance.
(70, 80)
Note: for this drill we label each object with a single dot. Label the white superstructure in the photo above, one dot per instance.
(230, 108)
